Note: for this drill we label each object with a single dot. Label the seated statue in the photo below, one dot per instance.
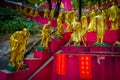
(18, 43)
(46, 32)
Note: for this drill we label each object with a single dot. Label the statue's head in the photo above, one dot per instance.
(25, 31)
(49, 22)
(99, 12)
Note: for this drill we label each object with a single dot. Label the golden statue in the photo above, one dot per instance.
(104, 17)
(18, 43)
(73, 16)
(116, 43)
(67, 17)
(19, 8)
(76, 35)
(59, 20)
(60, 30)
(52, 13)
(69, 27)
(46, 32)
(113, 16)
(25, 10)
(46, 13)
(36, 13)
(100, 27)
(61, 16)
(92, 26)
(61, 5)
(83, 37)
(31, 13)
(84, 24)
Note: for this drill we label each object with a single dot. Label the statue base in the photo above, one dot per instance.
(16, 68)
(57, 37)
(11, 68)
(100, 47)
(101, 44)
(42, 48)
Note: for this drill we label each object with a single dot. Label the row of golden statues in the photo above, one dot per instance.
(28, 11)
(79, 29)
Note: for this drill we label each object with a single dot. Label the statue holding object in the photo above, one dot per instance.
(18, 43)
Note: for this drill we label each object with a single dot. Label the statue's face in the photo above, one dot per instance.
(25, 31)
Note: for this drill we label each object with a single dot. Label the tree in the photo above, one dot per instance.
(35, 1)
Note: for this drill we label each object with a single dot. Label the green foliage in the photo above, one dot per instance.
(9, 23)
(35, 1)
(7, 14)
(75, 4)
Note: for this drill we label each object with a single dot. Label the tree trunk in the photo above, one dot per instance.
(80, 9)
(50, 4)
(57, 8)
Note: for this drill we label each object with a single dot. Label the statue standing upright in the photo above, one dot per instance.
(113, 16)
(18, 43)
